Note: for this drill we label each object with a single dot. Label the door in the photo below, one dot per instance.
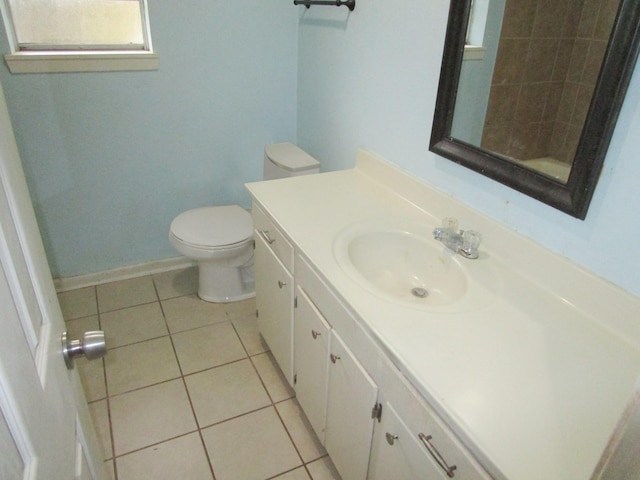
(45, 427)
(274, 301)
(311, 353)
(351, 397)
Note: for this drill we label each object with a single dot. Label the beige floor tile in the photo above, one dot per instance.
(323, 469)
(133, 324)
(180, 458)
(185, 313)
(247, 328)
(297, 474)
(125, 293)
(150, 415)
(241, 309)
(251, 447)
(300, 430)
(140, 364)
(78, 303)
(100, 416)
(176, 283)
(207, 347)
(225, 392)
(272, 376)
(111, 473)
(92, 378)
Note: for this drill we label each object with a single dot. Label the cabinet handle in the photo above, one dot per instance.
(426, 441)
(265, 234)
(315, 334)
(391, 438)
(334, 358)
(281, 283)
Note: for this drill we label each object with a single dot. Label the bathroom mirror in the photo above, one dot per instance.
(532, 100)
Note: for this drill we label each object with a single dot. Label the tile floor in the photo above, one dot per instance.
(188, 388)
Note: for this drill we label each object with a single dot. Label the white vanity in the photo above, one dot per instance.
(516, 365)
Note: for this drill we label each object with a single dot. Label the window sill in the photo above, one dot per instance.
(58, 62)
(473, 52)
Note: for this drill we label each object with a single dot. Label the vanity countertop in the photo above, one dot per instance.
(534, 382)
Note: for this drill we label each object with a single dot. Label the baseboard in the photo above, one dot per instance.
(123, 273)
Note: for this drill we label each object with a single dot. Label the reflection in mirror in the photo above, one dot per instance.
(530, 91)
(538, 76)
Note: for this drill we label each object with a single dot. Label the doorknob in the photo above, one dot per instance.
(93, 346)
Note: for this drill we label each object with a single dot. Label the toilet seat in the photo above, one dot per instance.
(213, 227)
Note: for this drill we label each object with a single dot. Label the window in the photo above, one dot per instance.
(78, 35)
(474, 45)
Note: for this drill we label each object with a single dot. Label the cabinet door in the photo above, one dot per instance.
(397, 453)
(311, 354)
(274, 301)
(350, 400)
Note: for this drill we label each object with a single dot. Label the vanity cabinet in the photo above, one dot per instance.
(273, 265)
(333, 389)
(340, 374)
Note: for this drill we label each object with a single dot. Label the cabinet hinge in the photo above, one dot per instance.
(295, 378)
(295, 302)
(257, 313)
(376, 411)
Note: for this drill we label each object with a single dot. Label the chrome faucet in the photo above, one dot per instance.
(465, 243)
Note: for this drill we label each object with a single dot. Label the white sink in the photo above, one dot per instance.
(405, 264)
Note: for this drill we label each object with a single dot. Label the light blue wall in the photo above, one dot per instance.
(111, 158)
(369, 79)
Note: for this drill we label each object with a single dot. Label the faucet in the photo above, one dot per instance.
(458, 241)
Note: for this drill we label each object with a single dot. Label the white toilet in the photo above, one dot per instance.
(220, 239)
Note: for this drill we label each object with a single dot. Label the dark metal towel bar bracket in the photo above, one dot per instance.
(336, 3)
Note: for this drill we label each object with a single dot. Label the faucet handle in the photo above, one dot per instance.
(470, 243)
(450, 223)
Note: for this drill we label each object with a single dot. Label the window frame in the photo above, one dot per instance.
(60, 59)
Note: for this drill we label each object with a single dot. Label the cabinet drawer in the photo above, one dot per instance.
(272, 235)
(434, 438)
(398, 453)
(439, 441)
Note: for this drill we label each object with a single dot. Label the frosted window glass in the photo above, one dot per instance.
(78, 23)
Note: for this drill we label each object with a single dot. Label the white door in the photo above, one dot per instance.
(45, 428)
(352, 394)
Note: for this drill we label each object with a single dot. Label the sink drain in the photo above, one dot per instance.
(419, 292)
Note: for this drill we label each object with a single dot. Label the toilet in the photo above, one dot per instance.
(220, 238)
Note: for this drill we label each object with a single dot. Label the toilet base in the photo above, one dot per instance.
(225, 284)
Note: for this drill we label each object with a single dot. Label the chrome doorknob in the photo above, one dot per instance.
(92, 346)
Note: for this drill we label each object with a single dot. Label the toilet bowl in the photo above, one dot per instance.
(220, 238)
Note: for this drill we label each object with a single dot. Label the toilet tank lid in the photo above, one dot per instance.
(290, 157)
(213, 226)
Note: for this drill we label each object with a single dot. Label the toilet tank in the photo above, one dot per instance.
(287, 160)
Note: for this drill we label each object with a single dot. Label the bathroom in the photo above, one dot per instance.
(111, 158)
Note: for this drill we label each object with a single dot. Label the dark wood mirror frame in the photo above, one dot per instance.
(573, 197)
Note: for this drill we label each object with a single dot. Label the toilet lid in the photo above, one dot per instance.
(213, 226)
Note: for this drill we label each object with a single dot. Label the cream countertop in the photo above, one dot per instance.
(529, 381)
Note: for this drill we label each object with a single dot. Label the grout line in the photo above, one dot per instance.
(108, 400)
(184, 384)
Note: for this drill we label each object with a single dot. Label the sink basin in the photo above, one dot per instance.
(402, 265)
